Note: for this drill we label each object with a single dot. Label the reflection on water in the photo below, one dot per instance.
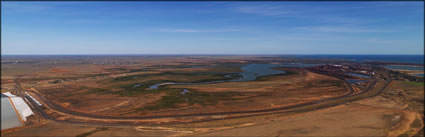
(137, 85)
(162, 84)
(359, 75)
(354, 81)
(405, 67)
(300, 65)
(184, 91)
(250, 72)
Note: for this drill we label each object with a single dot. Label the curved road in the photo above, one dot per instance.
(87, 115)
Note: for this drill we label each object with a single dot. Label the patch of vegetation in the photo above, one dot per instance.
(207, 98)
(405, 134)
(213, 79)
(408, 133)
(96, 75)
(400, 75)
(99, 91)
(234, 75)
(64, 78)
(56, 81)
(416, 124)
(77, 89)
(134, 77)
(287, 73)
(115, 69)
(167, 66)
(168, 101)
(413, 83)
(136, 70)
(219, 76)
(336, 83)
(139, 88)
(131, 89)
(131, 77)
(174, 97)
(192, 73)
(92, 132)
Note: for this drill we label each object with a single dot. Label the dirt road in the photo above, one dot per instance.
(349, 97)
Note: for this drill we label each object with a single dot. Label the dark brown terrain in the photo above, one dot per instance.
(97, 96)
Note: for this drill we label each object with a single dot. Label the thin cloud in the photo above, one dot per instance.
(264, 10)
(397, 3)
(340, 29)
(345, 20)
(23, 7)
(312, 37)
(314, 13)
(307, 38)
(97, 21)
(84, 21)
(385, 41)
(192, 30)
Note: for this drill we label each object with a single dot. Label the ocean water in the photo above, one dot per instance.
(420, 75)
(414, 59)
(405, 67)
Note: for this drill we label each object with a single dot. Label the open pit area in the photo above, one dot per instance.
(211, 96)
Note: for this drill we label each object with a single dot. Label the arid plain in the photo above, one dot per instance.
(213, 96)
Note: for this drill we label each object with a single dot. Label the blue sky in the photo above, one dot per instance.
(212, 27)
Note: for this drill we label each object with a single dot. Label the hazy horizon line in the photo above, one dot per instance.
(203, 54)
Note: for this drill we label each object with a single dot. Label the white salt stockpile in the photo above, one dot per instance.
(23, 109)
